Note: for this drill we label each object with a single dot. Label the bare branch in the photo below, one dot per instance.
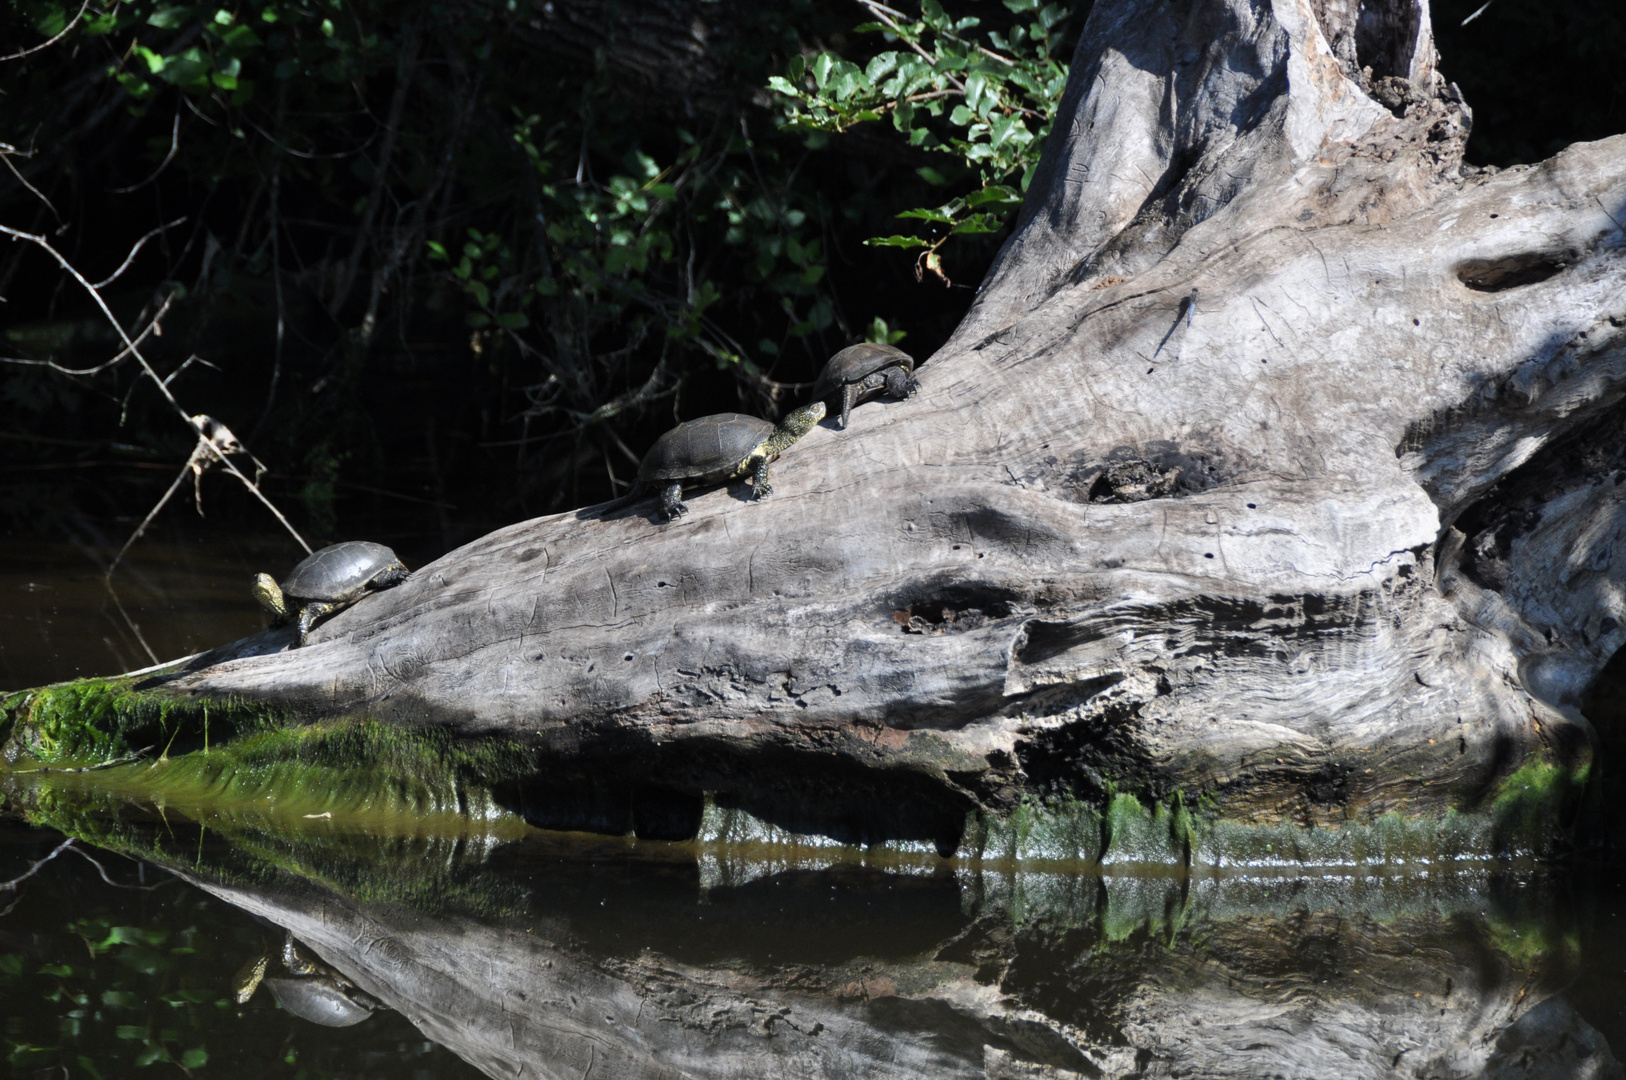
(6, 152)
(130, 258)
(47, 44)
(146, 367)
(174, 145)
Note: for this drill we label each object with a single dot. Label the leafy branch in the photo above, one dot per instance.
(1002, 100)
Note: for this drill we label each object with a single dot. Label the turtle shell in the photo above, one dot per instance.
(340, 572)
(319, 1000)
(853, 363)
(707, 448)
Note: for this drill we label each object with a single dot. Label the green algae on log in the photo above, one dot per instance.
(369, 774)
(1206, 498)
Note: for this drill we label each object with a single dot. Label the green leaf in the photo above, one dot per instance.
(195, 1058)
(931, 176)
(240, 37)
(977, 223)
(481, 294)
(513, 320)
(151, 1055)
(796, 68)
(155, 63)
(994, 195)
(925, 214)
(897, 242)
(880, 67)
(821, 69)
(170, 18)
(437, 250)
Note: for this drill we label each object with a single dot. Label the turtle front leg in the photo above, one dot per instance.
(760, 488)
(308, 615)
(672, 501)
(849, 398)
(900, 383)
(390, 576)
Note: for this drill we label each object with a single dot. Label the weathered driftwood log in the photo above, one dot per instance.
(1276, 466)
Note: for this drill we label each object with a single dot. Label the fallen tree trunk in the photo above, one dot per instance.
(1274, 470)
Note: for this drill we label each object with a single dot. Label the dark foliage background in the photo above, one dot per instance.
(456, 263)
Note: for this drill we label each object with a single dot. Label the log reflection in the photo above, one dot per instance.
(625, 963)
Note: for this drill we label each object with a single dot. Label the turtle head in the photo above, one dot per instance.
(269, 594)
(801, 421)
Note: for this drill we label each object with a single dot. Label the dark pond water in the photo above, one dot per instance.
(143, 939)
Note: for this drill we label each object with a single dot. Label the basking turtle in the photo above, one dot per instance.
(327, 581)
(716, 449)
(311, 990)
(863, 371)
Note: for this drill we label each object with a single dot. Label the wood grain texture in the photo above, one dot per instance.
(1236, 262)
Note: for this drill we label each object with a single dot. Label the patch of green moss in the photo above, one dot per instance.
(1160, 834)
(357, 771)
(91, 721)
(1060, 830)
(1534, 807)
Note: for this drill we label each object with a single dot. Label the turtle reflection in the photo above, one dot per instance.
(309, 990)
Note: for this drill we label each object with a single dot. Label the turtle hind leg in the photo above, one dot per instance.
(308, 615)
(849, 398)
(672, 506)
(900, 383)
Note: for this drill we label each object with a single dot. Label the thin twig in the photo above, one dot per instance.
(174, 145)
(35, 868)
(47, 44)
(130, 258)
(146, 367)
(6, 152)
(152, 326)
(117, 885)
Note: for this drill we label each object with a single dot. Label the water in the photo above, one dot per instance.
(492, 948)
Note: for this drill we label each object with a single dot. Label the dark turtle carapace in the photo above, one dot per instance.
(716, 449)
(863, 371)
(327, 581)
(309, 990)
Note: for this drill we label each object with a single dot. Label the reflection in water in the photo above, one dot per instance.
(555, 955)
(306, 987)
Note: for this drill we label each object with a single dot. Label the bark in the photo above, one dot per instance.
(1276, 463)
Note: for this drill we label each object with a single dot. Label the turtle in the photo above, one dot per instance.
(719, 448)
(328, 580)
(863, 371)
(310, 990)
